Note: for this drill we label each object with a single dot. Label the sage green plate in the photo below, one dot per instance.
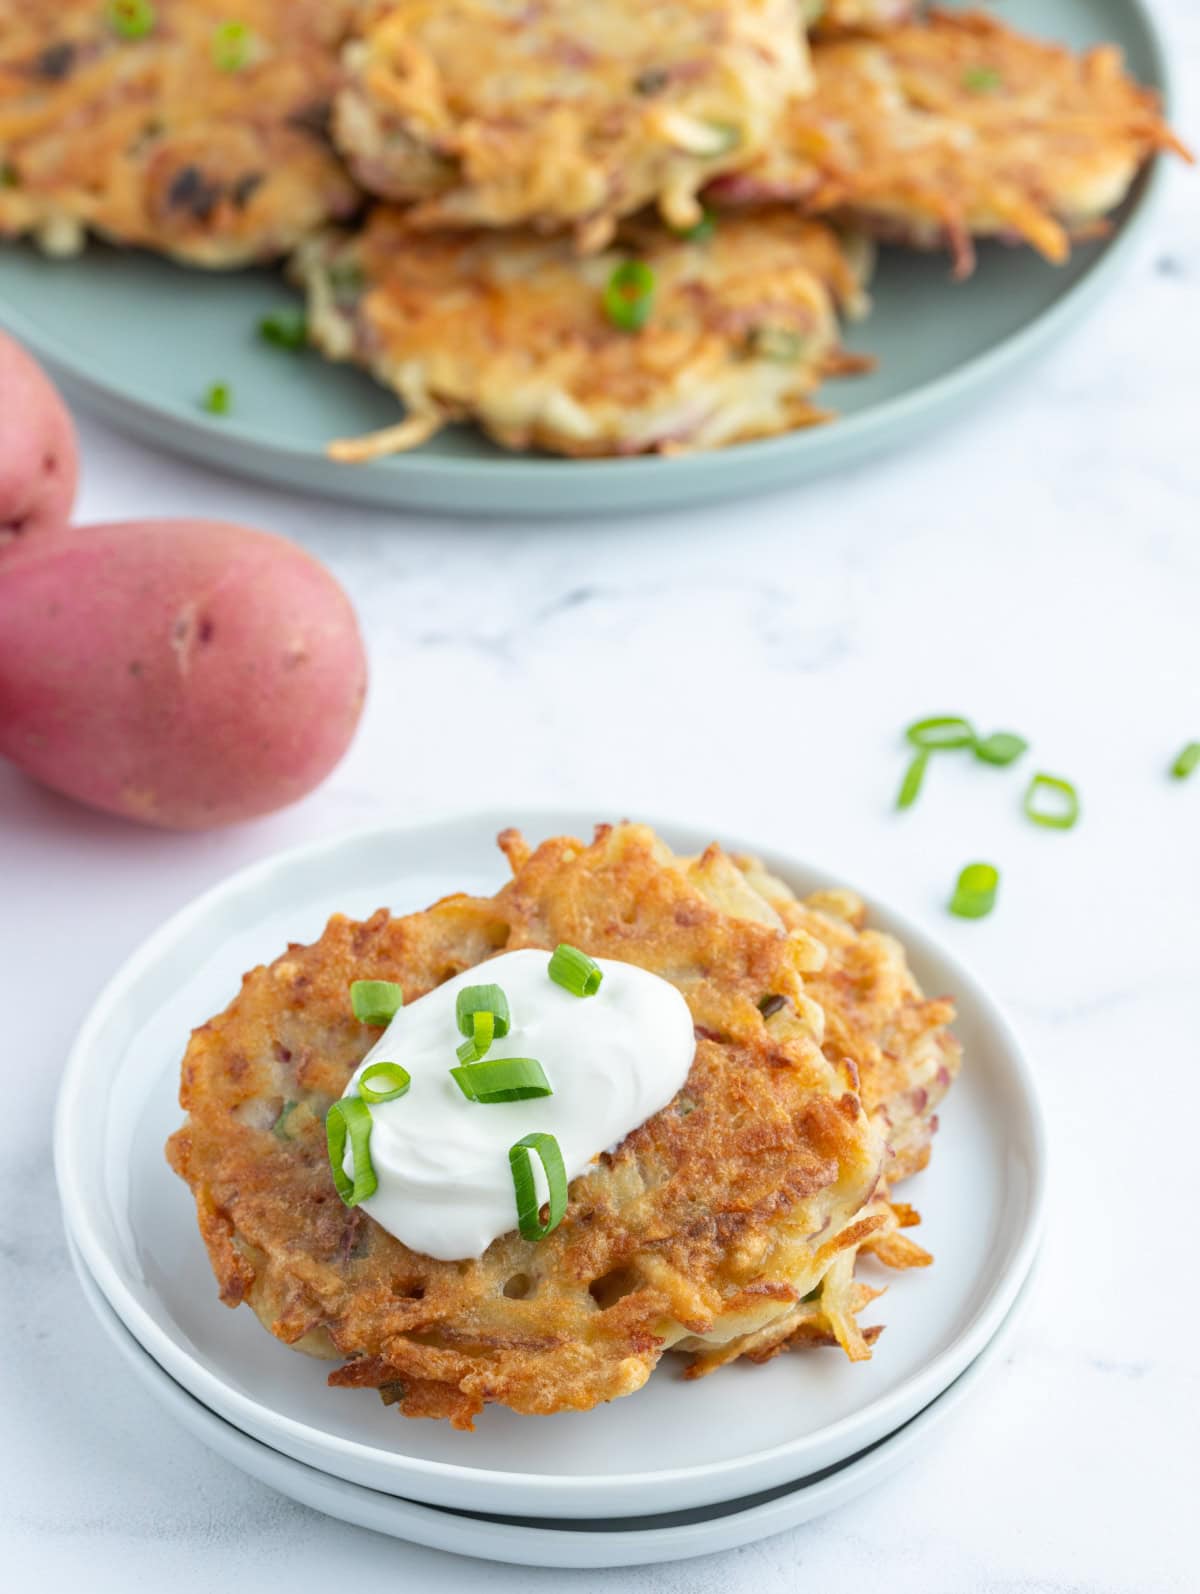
(141, 341)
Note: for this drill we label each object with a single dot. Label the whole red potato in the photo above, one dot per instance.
(39, 460)
(184, 673)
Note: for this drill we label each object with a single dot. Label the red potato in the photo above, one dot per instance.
(184, 673)
(39, 461)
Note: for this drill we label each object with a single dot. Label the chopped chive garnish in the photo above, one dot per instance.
(478, 1043)
(376, 1002)
(771, 1005)
(279, 1128)
(286, 329)
(943, 731)
(232, 43)
(629, 296)
(975, 893)
(383, 1082)
(1002, 748)
(702, 231)
(503, 1079)
(520, 1160)
(1064, 806)
(132, 19)
(982, 80)
(474, 999)
(351, 1118)
(910, 786)
(219, 399)
(1187, 761)
(575, 971)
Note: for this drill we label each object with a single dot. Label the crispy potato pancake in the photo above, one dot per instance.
(567, 114)
(905, 1056)
(955, 127)
(707, 1223)
(206, 144)
(510, 330)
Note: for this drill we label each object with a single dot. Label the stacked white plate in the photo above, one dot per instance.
(679, 1469)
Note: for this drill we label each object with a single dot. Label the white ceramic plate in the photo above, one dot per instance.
(616, 1541)
(742, 1430)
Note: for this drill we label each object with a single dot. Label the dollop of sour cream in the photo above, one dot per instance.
(613, 1060)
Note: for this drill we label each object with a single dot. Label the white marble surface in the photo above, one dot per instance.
(1037, 567)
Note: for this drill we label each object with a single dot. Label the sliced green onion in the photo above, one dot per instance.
(982, 80)
(975, 893)
(232, 43)
(477, 1044)
(394, 1079)
(629, 296)
(279, 1127)
(814, 1294)
(575, 971)
(1187, 761)
(474, 999)
(702, 231)
(286, 329)
(219, 399)
(941, 733)
(780, 345)
(1063, 814)
(503, 1079)
(376, 1002)
(520, 1160)
(351, 1117)
(132, 19)
(910, 786)
(1002, 748)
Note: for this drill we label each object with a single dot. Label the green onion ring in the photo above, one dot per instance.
(1001, 748)
(941, 733)
(474, 999)
(910, 786)
(231, 46)
(1188, 760)
(975, 892)
(520, 1160)
(398, 1080)
(375, 1002)
(629, 295)
(351, 1117)
(479, 1043)
(1066, 816)
(132, 19)
(575, 971)
(503, 1079)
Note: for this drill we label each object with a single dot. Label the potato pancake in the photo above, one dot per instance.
(169, 126)
(958, 127)
(706, 1224)
(568, 114)
(511, 330)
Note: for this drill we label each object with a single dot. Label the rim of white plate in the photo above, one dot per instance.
(71, 1129)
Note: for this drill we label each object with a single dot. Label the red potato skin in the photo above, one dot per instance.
(39, 458)
(183, 673)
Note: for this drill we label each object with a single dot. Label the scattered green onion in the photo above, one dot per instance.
(351, 1117)
(910, 786)
(376, 1002)
(219, 399)
(395, 1080)
(782, 345)
(520, 1160)
(575, 971)
(982, 80)
(232, 43)
(474, 999)
(701, 231)
(478, 1043)
(1187, 762)
(629, 296)
(503, 1079)
(942, 732)
(279, 1128)
(132, 19)
(286, 329)
(1002, 748)
(975, 893)
(1063, 814)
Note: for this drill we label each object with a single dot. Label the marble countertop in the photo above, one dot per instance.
(1036, 567)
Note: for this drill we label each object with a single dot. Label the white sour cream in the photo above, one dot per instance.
(613, 1060)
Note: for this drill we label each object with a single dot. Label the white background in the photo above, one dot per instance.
(749, 667)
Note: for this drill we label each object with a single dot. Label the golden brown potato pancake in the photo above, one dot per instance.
(510, 330)
(203, 138)
(567, 114)
(956, 127)
(707, 1223)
